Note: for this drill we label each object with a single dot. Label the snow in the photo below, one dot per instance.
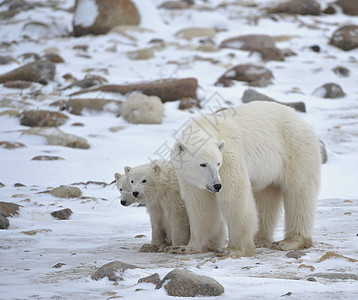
(100, 230)
(86, 13)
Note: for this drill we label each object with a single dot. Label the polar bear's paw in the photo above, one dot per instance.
(180, 250)
(149, 248)
(293, 243)
(228, 252)
(263, 243)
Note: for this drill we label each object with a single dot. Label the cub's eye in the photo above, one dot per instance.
(203, 165)
(131, 181)
(218, 164)
(120, 190)
(144, 181)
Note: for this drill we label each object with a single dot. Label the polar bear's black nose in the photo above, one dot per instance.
(123, 202)
(135, 194)
(217, 186)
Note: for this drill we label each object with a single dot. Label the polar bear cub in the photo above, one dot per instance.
(125, 189)
(156, 183)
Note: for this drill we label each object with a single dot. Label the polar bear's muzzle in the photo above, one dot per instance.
(215, 188)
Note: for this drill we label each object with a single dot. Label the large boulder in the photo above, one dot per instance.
(300, 7)
(100, 16)
(42, 118)
(330, 91)
(112, 271)
(7, 209)
(349, 7)
(345, 37)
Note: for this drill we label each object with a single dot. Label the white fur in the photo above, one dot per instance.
(125, 189)
(270, 156)
(157, 184)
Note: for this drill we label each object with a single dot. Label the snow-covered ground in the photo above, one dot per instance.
(100, 230)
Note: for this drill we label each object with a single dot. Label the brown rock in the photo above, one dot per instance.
(165, 89)
(110, 13)
(40, 71)
(300, 7)
(349, 7)
(47, 157)
(174, 5)
(154, 278)
(330, 91)
(295, 254)
(63, 214)
(187, 103)
(9, 209)
(54, 57)
(64, 191)
(11, 145)
(43, 118)
(17, 84)
(345, 38)
(111, 270)
(78, 106)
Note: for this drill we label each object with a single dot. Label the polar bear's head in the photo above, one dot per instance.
(199, 165)
(143, 180)
(125, 189)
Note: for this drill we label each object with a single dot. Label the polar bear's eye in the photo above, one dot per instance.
(218, 164)
(144, 181)
(203, 165)
(131, 181)
(120, 190)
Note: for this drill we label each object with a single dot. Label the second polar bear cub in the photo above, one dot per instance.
(157, 184)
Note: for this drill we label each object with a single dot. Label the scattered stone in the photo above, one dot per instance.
(17, 84)
(329, 10)
(196, 32)
(165, 89)
(154, 278)
(187, 103)
(184, 283)
(58, 265)
(341, 71)
(329, 90)
(36, 231)
(11, 113)
(142, 109)
(252, 74)
(349, 7)
(7, 59)
(1, 185)
(315, 48)
(295, 254)
(312, 279)
(7, 209)
(264, 44)
(29, 57)
(251, 95)
(63, 214)
(11, 145)
(42, 118)
(116, 128)
(54, 57)
(80, 106)
(312, 268)
(141, 54)
(300, 7)
(41, 71)
(111, 269)
(174, 5)
(287, 294)
(345, 37)
(4, 222)
(100, 183)
(331, 254)
(86, 83)
(55, 136)
(64, 191)
(47, 158)
(18, 184)
(102, 15)
(323, 151)
(335, 276)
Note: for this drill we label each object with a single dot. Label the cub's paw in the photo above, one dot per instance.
(149, 248)
(293, 243)
(232, 252)
(180, 250)
(263, 243)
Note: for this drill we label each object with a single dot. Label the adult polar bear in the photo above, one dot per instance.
(250, 159)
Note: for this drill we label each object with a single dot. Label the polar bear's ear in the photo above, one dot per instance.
(157, 169)
(221, 144)
(127, 169)
(117, 176)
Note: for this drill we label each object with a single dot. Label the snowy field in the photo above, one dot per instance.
(100, 230)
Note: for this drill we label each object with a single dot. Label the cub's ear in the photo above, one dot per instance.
(127, 169)
(156, 169)
(221, 145)
(117, 176)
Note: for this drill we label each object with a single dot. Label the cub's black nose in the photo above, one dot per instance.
(135, 194)
(217, 187)
(123, 202)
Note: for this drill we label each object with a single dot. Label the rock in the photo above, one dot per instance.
(100, 16)
(86, 82)
(195, 32)
(11, 145)
(7, 209)
(165, 89)
(63, 214)
(1, 185)
(58, 265)
(300, 7)
(64, 191)
(47, 157)
(264, 44)
(329, 10)
(54, 57)
(142, 109)
(312, 279)
(295, 254)
(341, 71)
(345, 37)
(187, 103)
(17, 84)
(174, 5)
(7, 59)
(315, 48)
(349, 7)
(154, 278)
(40, 71)
(335, 276)
(55, 136)
(323, 152)
(254, 75)
(329, 90)
(184, 283)
(18, 184)
(42, 118)
(141, 54)
(111, 269)
(251, 95)
(4, 222)
(80, 106)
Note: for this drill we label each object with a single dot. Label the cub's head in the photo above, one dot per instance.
(199, 165)
(125, 189)
(142, 180)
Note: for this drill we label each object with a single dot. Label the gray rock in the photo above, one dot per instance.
(79, 106)
(337, 276)
(252, 74)
(349, 7)
(55, 136)
(7, 59)
(345, 37)
(58, 265)
(184, 283)
(42, 118)
(7, 209)
(63, 214)
(323, 151)
(40, 71)
(154, 278)
(341, 71)
(47, 157)
(64, 191)
(11, 145)
(111, 271)
(174, 5)
(295, 254)
(251, 95)
(300, 7)
(329, 90)
(4, 222)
